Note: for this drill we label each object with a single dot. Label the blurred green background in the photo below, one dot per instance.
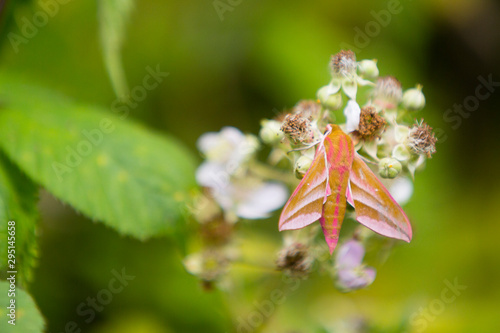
(260, 58)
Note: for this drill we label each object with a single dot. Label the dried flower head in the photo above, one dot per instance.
(421, 139)
(343, 64)
(308, 109)
(388, 92)
(294, 260)
(298, 128)
(370, 123)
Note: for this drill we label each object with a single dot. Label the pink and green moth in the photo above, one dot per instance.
(339, 175)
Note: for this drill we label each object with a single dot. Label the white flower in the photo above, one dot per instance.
(225, 152)
(213, 175)
(227, 146)
(235, 191)
(251, 200)
(352, 112)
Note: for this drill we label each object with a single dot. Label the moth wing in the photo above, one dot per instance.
(348, 194)
(305, 205)
(375, 207)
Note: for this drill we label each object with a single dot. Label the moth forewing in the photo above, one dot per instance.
(375, 207)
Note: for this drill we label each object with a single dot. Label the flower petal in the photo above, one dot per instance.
(260, 202)
(371, 147)
(221, 146)
(363, 82)
(350, 254)
(232, 134)
(400, 152)
(352, 112)
(213, 175)
(207, 141)
(355, 278)
(401, 133)
(334, 86)
(350, 88)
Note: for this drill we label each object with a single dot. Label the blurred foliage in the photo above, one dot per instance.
(18, 203)
(28, 318)
(103, 166)
(260, 59)
(113, 16)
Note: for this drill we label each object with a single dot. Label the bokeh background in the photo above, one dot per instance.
(257, 59)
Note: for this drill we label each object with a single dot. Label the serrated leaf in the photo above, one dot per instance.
(18, 199)
(27, 316)
(113, 15)
(110, 169)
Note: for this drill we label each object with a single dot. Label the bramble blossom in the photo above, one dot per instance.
(351, 273)
(224, 173)
(235, 184)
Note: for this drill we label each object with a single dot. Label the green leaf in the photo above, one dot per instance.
(113, 15)
(110, 169)
(27, 316)
(18, 198)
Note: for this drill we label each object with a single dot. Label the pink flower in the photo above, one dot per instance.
(351, 273)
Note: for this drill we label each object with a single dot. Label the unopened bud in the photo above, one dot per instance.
(389, 167)
(271, 132)
(368, 69)
(414, 99)
(328, 100)
(302, 165)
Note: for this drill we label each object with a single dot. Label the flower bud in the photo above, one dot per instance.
(414, 99)
(328, 100)
(368, 69)
(302, 165)
(271, 132)
(389, 167)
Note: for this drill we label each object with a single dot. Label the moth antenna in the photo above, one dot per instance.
(303, 148)
(367, 160)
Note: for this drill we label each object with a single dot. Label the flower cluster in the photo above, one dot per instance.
(379, 117)
(233, 189)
